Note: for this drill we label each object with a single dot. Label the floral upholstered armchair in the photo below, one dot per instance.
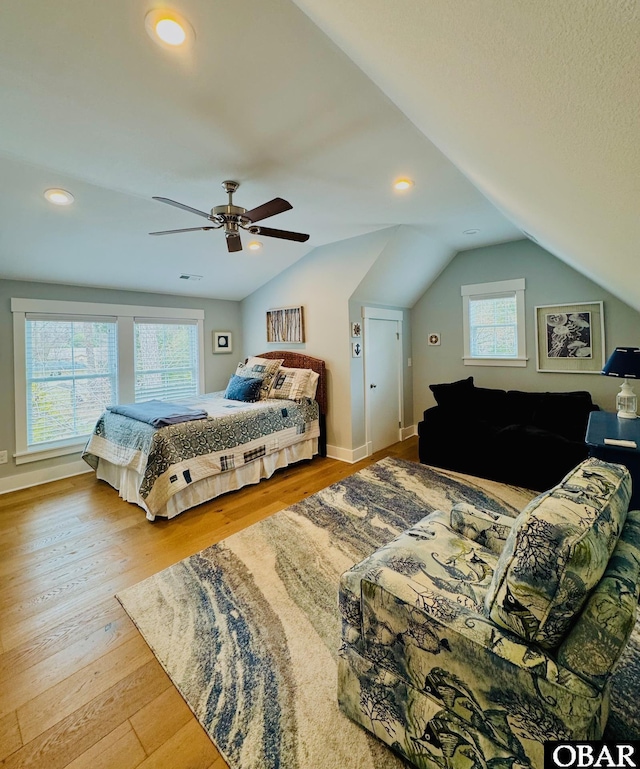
(473, 637)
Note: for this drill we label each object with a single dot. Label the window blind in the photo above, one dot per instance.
(71, 375)
(166, 359)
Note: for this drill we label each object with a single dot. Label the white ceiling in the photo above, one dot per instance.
(91, 104)
(538, 104)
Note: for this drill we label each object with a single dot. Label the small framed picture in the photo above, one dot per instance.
(433, 339)
(356, 329)
(222, 341)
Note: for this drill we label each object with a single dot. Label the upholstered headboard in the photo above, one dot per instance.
(298, 360)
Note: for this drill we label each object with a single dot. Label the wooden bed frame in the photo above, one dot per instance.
(293, 359)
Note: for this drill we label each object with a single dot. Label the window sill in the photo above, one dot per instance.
(60, 450)
(521, 362)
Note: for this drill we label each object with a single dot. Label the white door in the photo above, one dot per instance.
(383, 381)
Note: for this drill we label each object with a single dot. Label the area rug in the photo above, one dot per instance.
(248, 629)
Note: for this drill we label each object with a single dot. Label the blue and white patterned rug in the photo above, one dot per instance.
(248, 629)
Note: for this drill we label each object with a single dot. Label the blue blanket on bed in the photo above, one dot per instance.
(158, 413)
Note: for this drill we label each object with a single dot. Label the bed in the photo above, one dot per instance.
(166, 470)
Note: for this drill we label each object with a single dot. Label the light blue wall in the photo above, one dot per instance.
(322, 282)
(548, 281)
(220, 315)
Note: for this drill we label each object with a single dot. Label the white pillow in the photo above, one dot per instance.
(290, 383)
(260, 368)
(312, 385)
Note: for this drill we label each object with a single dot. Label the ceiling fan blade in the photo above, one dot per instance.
(273, 207)
(188, 229)
(284, 234)
(233, 242)
(185, 208)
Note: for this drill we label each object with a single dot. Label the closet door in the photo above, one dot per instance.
(383, 379)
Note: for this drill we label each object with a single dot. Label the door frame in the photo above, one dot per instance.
(379, 313)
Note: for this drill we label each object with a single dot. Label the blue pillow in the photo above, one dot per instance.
(242, 388)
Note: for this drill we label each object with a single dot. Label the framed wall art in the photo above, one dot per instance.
(222, 341)
(285, 324)
(570, 338)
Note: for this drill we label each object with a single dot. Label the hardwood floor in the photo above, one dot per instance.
(79, 686)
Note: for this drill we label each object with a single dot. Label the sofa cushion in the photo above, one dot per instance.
(485, 527)
(566, 414)
(451, 395)
(535, 458)
(602, 630)
(557, 552)
(490, 405)
(521, 407)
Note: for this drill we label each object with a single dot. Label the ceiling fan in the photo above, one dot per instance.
(234, 218)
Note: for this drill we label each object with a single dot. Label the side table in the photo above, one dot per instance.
(604, 424)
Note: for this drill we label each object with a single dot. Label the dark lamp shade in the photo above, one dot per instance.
(624, 362)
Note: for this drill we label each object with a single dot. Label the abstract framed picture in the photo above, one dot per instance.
(222, 341)
(570, 338)
(285, 324)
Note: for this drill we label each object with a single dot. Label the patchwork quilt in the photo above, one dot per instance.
(168, 459)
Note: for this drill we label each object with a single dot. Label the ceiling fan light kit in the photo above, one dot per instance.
(233, 218)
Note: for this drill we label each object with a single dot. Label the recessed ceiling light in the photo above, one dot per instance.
(58, 197)
(168, 28)
(255, 245)
(170, 32)
(472, 231)
(403, 184)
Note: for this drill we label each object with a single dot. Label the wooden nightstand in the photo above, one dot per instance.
(603, 424)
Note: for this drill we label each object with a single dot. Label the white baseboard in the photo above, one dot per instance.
(347, 455)
(45, 475)
(355, 455)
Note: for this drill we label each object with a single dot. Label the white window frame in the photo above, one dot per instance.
(490, 291)
(125, 316)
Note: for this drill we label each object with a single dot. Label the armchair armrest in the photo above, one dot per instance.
(468, 665)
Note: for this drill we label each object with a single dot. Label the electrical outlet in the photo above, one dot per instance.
(409, 362)
(3, 458)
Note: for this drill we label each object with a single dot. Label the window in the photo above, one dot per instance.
(71, 371)
(166, 356)
(73, 359)
(493, 317)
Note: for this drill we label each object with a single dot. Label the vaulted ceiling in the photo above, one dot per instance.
(508, 117)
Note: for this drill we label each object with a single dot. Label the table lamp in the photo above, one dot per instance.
(624, 362)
